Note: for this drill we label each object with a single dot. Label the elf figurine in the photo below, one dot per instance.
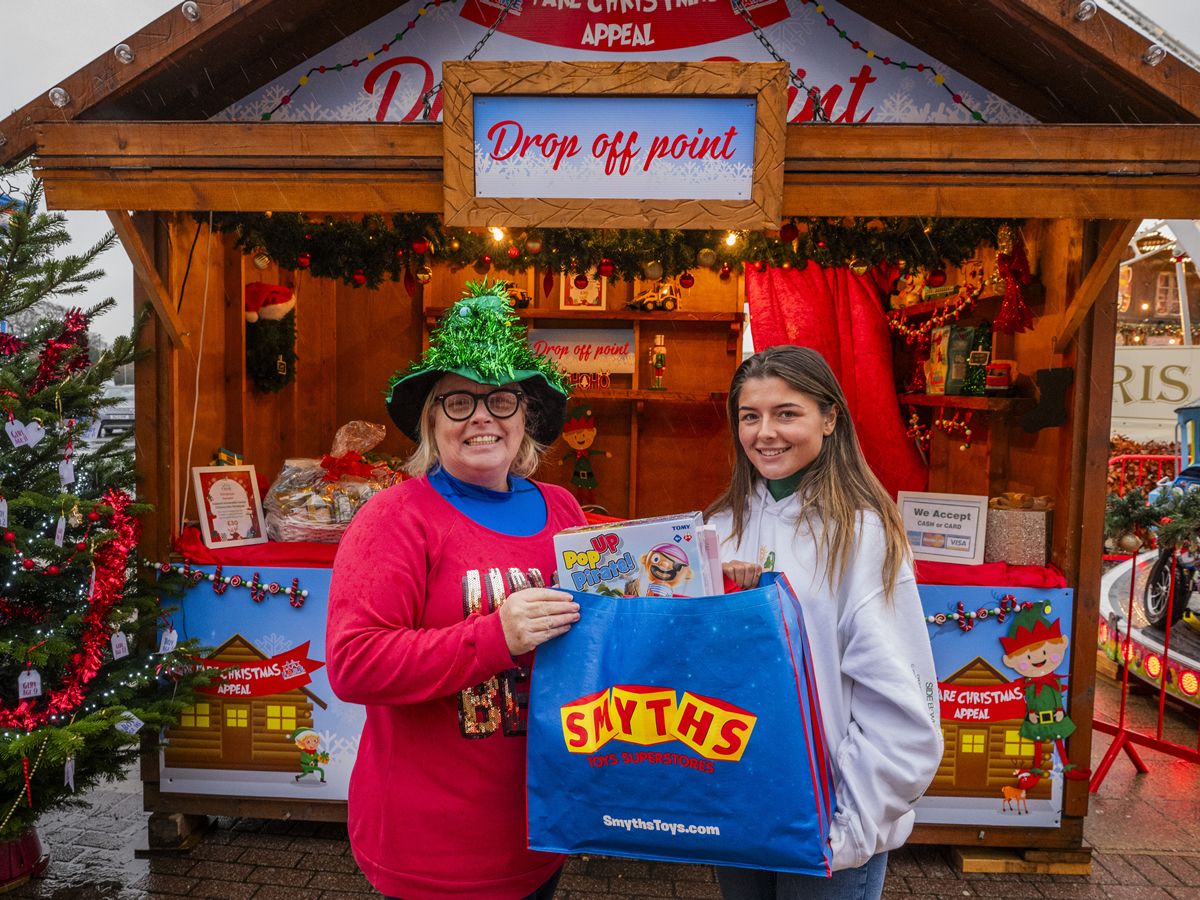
(308, 741)
(1034, 648)
(579, 432)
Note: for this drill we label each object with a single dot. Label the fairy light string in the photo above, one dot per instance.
(922, 67)
(354, 62)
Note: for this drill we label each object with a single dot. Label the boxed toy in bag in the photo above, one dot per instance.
(661, 556)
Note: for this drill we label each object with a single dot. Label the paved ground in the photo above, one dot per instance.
(1145, 831)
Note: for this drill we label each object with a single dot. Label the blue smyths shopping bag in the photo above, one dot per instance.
(683, 729)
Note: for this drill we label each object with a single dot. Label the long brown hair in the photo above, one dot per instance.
(836, 487)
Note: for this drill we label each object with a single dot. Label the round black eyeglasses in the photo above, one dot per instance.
(460, 405)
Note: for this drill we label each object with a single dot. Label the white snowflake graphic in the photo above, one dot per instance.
(273, 644)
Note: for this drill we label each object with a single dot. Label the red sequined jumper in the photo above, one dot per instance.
(437, 797)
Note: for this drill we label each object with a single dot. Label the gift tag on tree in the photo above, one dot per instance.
(34, 432)
(66, 472)
(69, 773)
(120, 645)
(128, 723)
(169, 639)
(29, 684)
(15, 430)
(61, 531)
(3, 513)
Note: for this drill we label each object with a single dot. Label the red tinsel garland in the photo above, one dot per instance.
(1014, 316)
(110, 560)
(56, 360)
(10, 344)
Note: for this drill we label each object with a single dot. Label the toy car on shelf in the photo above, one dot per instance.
(519, 299)
(664, 296)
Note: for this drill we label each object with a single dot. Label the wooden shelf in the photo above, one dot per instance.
(619, 315)
(953, 401)
(1032, 292)
(628, 394)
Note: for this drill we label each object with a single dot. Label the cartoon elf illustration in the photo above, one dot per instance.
(1034, 648)
(579, 432)
(308, 741)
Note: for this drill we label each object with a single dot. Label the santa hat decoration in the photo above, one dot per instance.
(1029, 629)
(268, 301)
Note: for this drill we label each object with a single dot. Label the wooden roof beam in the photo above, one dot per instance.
(152, 46)
(143, 266)
(1115, 245)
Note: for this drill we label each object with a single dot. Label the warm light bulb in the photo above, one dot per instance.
(497, 233)
(1145, 307)
(730, 239)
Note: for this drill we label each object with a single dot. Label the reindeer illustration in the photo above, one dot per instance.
(1014, 797)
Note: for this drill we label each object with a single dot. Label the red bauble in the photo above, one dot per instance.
(513, 252)
(359, 278)
(821, 244)
(304, 260)
(606, 268)
(399, 253)
(93, 516)
(725, 271)
(81, 546)
(486, 260)
(686, 280)
(9, 536)
(936, 278)
(420, 245)
(581, 281)
(27, 564)
(789, 232)
(53, 570)
(1165, 520)
(547, 282)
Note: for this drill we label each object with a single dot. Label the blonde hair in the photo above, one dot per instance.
(425, 457)
(836, 487)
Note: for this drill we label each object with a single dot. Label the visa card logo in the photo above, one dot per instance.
(638, 714)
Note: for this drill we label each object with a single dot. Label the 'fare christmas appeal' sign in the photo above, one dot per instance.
(615, 147)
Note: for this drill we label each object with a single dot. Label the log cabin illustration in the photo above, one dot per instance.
(980, 757)
(240, 732)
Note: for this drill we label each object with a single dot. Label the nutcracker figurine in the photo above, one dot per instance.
(658, 362)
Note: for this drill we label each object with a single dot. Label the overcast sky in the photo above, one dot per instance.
(47, 40)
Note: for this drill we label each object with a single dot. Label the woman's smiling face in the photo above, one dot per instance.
(780, 428)
(480, 449)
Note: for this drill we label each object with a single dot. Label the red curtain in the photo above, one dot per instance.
(840, 315)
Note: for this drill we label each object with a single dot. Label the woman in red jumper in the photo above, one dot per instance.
(438, 598)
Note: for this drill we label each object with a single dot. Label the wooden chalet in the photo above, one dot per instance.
(982, 756)
(1115, 139)
(245, 733)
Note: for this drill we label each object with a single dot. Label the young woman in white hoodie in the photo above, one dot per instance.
(803, 501)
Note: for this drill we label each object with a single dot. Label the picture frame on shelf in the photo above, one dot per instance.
(229, 506)
(593, 297)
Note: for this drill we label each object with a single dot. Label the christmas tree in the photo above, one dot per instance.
(81, 678)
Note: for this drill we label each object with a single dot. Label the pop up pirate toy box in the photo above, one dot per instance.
(660, 556)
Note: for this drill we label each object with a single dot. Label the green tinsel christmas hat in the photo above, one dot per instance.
(482, 338)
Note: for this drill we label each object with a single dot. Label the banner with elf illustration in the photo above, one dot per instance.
(269, 726)
(1002, 657)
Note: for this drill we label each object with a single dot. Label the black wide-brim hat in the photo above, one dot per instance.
(482, 339)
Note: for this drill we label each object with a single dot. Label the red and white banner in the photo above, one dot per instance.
(1001, 703)
(261, 678)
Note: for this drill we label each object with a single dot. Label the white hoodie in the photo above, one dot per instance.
(874, 673)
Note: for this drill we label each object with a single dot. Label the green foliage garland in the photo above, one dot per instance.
(375, 247)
